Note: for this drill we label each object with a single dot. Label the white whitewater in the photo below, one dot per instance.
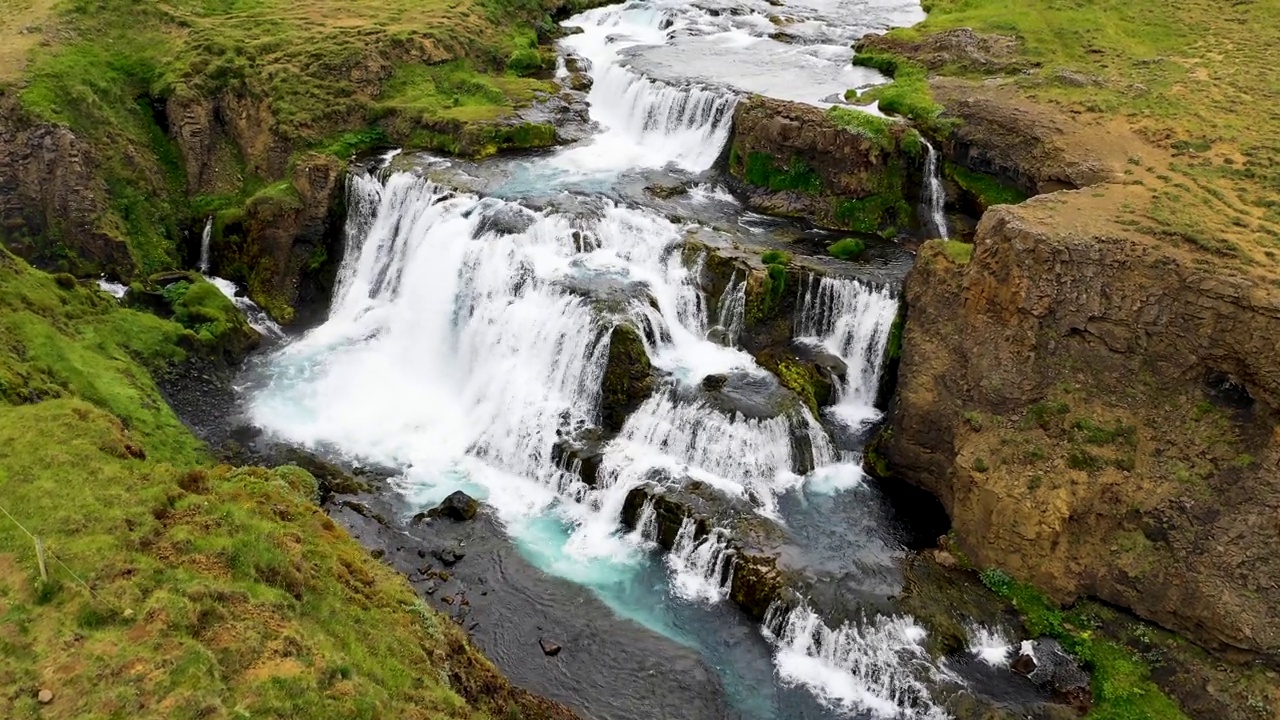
(701, 568)
(205, 237)
(257, 318)
(934, 200)
(874, 666)
(853, 320)
(461, 346)
(990, 645)
(114, 289)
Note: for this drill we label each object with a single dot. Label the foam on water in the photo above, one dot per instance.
(114, 289)
(989, 645)
(874, 666)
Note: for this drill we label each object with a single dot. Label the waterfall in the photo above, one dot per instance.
(646, 122)
(872, 666)
(852, 320)
(205, 238)
(731, 309)
(934, 196)
(701, 569)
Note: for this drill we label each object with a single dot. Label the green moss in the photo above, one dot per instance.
(761, 170)
(908, 95)
(847, 249)
(893, 347)
(880, 214)
(775, 257)
(1122, 686)
(628, 377)
(956, 251)
(354, 142)
(986, 189)
(800, 379)
(879, 130)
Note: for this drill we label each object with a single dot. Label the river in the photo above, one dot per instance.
(469, 331)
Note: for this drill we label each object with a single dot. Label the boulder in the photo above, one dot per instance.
(549, 648)
(581, 453)
(458, 506)
(628, 377)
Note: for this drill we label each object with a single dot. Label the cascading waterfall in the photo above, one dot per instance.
(874, 665)
(465, 340)
(935, 195)
(853, 320)
(702, 568)
(205, 238)
(646, 122)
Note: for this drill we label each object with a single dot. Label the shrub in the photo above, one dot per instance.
(775, 257)
(847, 249)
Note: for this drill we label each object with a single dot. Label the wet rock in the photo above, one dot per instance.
(666, 191)
(459, 506)
(628, 377)
(610, 292)
(581, 453)
(752, 395)
(577, 64)
(720, 336)
(712, 383)
(549, 648)
(448, 556)
(1048, 665)
(504, 219)
(45, 697)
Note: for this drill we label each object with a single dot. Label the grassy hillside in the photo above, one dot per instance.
(1196, 80)
(288, 78)
(178, 589)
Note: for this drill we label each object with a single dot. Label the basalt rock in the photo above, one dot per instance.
(1096, 409)
(628, 377)
(459, 507)
(581, 454)
(53, 200)
(795, 160)
(960, 47)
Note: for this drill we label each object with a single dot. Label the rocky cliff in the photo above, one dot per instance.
(1097, 410)
(842, 169)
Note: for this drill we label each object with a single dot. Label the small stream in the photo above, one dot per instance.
(469, 331)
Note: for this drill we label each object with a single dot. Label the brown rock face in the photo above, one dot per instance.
(793, 160)
(1097, 412)
(50, 188)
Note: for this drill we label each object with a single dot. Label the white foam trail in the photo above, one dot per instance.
(852, 320)
(257, 318)
(114, 289)
(935, 195)
(701, 569)
(205, 238)
(989, 645)
(874, 666)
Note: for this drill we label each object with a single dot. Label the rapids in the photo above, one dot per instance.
(469, 332)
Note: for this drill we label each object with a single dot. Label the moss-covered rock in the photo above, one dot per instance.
(628, 377)
(842, 169)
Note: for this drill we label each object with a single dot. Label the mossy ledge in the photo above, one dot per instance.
(841, 169)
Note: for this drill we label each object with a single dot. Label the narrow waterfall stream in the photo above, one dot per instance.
(469, 334)
(934, 198)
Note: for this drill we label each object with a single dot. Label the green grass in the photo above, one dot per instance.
(1168, 71)
(986, 189)
(1122, 686)
(957, 252)
(908, 95)
(178, 589)
(775, 257)
(760, 169)
(847, 249)
(304, 78)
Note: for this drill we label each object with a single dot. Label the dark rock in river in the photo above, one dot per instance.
(581, 454)
(458, 506)
(504, 219)
(549, 648)
(610, 292)
(1052, 668)
(628, 377)
(756, 396)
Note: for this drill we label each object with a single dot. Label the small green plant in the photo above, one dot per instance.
(1047, 415)
(775, 257)
(974, 419)
(847, 249)
(957, 252)
(980, 464)
(1080, 459)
